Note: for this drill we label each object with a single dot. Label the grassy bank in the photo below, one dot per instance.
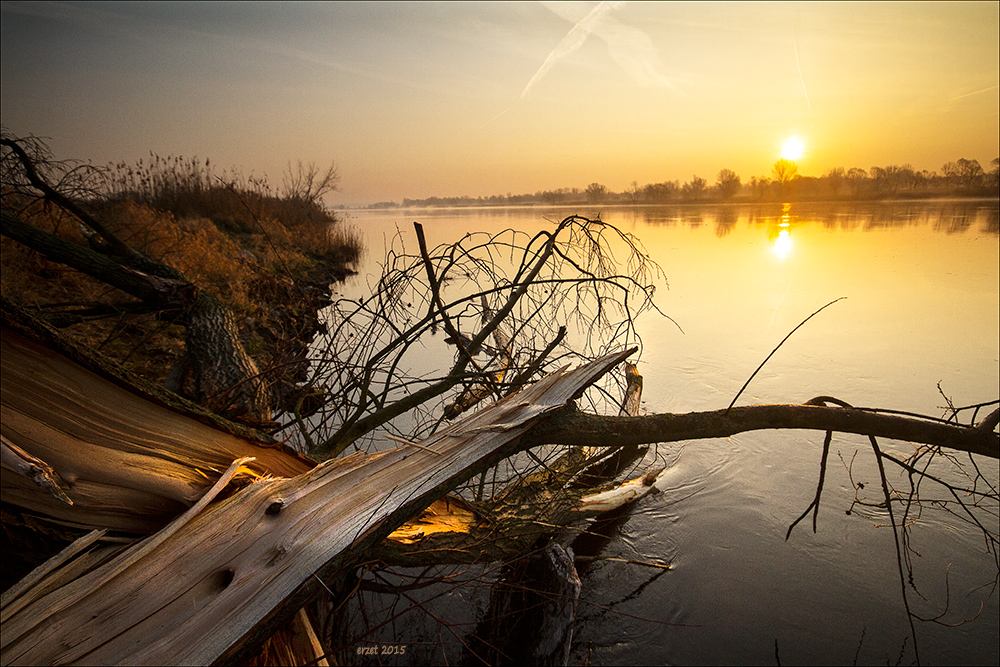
(269, 254)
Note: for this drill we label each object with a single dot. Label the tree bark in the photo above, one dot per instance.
(226, 572)
(573, 427)
(226, 378)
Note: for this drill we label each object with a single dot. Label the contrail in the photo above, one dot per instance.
(573, 40)
(494, 118)
(975, 92)
(630, 47)
(801, 78)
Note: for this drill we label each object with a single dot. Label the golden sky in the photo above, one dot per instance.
(421, 99)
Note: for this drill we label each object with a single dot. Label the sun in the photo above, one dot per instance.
(792, 149)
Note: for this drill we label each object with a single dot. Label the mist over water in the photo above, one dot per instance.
(921, 282)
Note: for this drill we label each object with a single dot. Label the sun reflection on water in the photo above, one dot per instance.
(783, 244)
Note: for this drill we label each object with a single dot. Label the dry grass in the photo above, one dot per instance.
(231, 236)
(266, 221)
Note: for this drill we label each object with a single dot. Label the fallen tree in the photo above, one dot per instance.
(225, 575)
(116, 443)
(257, 547)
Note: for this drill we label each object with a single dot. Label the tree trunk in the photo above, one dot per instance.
(224, 575)
(226, 378)
(227, 571)
(531, 613)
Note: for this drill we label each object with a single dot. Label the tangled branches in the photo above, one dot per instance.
(969, 495)
(514, 307)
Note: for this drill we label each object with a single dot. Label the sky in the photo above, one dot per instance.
(413, 100)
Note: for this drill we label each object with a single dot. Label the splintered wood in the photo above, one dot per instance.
(189, 592)
(124, 462)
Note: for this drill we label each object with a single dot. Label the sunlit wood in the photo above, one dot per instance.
(193, 590)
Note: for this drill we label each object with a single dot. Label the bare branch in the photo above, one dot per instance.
(574, 427)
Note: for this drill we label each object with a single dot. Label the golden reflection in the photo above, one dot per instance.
(782, 240)
(783, 244)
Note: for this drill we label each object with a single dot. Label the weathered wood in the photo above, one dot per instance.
(33, 468)
(193, 590)
(196, 589)
(45, 570)
(577, 485)
(125, 461)
(24, 322)
(296, 644)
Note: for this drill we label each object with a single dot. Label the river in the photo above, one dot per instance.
(921, 312)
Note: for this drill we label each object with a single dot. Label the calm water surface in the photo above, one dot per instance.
(921, 281)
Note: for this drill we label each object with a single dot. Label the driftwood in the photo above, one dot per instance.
(235, 565)
(123, 461)
(214, 575)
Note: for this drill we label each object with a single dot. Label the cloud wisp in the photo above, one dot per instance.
(629, 47)
(801, 78)
(975, 92)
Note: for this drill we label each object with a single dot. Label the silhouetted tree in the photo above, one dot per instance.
(970, 173)
(634, 192)
(728, 183)
(760, 186)
(893, 178)
(308, 183)
(596, 192)
(660, 192)
(785, 171)
(695, 188)
(857, 177)
(835, 180)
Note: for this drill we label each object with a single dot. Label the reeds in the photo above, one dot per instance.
(231, 235)
(244, 206)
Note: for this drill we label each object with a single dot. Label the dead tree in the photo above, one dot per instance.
(508, 289)
(556, 290)
(232, 571)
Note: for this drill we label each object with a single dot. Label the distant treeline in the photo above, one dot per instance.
(962, 178)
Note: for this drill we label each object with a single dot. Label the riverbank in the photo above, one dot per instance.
(270, 260)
